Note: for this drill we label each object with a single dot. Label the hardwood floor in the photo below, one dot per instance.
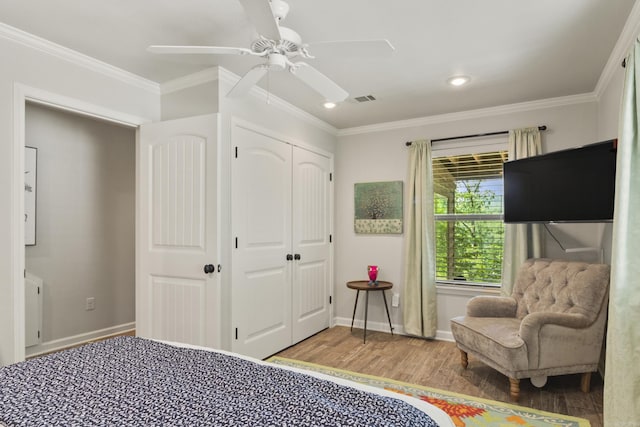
(436, 364)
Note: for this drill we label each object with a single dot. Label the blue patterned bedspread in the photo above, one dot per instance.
(128, 381)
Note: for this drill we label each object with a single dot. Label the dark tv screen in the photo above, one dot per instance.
(576, 185)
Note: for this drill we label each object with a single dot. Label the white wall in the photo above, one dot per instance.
(378, 153)
(55, 72)
(204, 92)
(609, 106)
(190, 101)
(85, 243)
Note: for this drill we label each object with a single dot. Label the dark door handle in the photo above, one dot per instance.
(296, 257)
(289, 257)
(209, 268)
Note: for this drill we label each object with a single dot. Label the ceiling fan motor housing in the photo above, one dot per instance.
(288, 44)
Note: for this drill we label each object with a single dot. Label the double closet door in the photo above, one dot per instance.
(281, 243)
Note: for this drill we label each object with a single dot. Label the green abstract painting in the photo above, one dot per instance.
(378, 207)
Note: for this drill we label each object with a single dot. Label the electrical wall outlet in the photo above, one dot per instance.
(395, 300)
(90, 304)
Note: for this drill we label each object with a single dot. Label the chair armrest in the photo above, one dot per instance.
(532, 323)
(561, 332)
(485, 306)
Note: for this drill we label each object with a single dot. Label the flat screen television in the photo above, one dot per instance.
(576, 185)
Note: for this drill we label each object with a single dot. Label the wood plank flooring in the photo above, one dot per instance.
(436, 364)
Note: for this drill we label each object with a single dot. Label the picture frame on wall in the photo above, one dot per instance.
(30, 184)
(378, 207)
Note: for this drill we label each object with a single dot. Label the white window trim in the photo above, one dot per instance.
(469, 217)
(466, 290)
(449, 148)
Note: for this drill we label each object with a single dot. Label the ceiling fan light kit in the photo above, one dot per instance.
(280, 46)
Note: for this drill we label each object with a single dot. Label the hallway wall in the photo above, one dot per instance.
(85, 215)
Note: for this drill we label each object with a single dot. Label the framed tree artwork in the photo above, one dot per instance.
(30, 180)
(378, 207)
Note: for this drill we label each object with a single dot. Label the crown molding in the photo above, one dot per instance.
(625, 41)
(77, 58)
(472, 114)
(228, 79)
(190, 80)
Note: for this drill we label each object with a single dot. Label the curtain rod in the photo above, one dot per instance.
(477, 135)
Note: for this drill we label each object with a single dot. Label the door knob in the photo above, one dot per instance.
(289, 257)
(296, 257)
(209, 268)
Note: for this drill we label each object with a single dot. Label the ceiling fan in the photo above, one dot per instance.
(280, 46)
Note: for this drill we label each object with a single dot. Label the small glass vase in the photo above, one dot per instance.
(373, 275)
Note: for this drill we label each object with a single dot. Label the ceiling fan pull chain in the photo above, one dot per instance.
(268, 87)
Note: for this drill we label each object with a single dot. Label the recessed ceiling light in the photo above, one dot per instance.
(458, 80)
(329, 105)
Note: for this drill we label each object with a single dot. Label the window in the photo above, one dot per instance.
(468, 194)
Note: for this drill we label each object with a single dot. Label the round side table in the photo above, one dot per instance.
(363, 285)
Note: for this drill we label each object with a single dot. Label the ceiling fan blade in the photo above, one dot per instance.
(260, 15)
(216, 50)
(352, 49)
(319, 82)
(247, 81)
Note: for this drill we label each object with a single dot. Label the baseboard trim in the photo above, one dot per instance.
(384, 327)
(62, 343)
(444, 336)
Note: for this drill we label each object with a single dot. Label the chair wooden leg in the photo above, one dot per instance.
(464, 359)
(514, 389)
(585, 383)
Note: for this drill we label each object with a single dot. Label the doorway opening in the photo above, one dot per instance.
(14, 341)
(80, 245)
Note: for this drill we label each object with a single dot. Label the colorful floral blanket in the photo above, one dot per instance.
(128, 381)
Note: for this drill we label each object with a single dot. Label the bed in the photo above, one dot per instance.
(130, 381)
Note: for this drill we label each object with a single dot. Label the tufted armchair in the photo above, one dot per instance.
(552, 324)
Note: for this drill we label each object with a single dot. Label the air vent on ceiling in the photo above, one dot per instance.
(365, 98)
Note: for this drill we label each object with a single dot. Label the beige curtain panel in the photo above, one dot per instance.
(420, 259)
(622, 370)
(521, 241)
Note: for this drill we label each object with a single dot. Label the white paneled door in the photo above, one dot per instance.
(261, 212)
(176, 282)
(310, 244)
(281, 268)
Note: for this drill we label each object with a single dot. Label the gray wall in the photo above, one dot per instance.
(85, 221)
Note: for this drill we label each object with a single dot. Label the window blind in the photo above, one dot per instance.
(468, 195)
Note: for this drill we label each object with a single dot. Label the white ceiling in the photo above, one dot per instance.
(513, 50)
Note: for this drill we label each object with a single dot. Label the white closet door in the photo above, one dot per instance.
(311, 246)
(261, 215)
(177, 216)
